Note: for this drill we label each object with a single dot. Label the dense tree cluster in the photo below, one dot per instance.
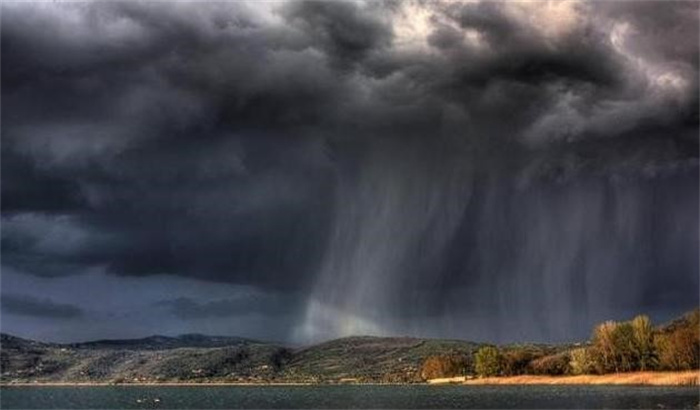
(435, 367)
(678, 346)
(555, 365)
(626, 346)
(634, 345)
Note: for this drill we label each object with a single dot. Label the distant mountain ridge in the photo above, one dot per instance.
(166, 342)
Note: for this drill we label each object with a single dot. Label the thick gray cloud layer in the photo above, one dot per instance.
(29, 306)
(451, 169)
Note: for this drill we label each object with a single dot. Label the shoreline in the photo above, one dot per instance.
(155, 384)
(688, 378)
(676, 378)
(194, 384)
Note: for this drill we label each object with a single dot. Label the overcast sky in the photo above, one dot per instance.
(298, 171)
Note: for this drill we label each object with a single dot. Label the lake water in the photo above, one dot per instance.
(409, 397)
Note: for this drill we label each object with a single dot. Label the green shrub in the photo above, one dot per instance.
(552, 365)
(644, 351)
(515, 361)
(581, 361)
(488, 361)
(624, 347)
(614, 347)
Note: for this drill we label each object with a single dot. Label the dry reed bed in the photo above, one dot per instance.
(682, 378)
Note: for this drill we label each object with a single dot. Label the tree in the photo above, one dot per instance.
(623, 341)
(614, 347)
(643, 348)
(636, 345)
(488, 361)
(435, 367)
(604, 347)
(678, 347)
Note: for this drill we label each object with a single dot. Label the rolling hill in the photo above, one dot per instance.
(201, 358)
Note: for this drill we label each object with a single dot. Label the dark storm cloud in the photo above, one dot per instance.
(32, 189)
(29, 306)
(223, 141)
(163, 130)
(185, 166)
(274, 305)
(345, 32)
